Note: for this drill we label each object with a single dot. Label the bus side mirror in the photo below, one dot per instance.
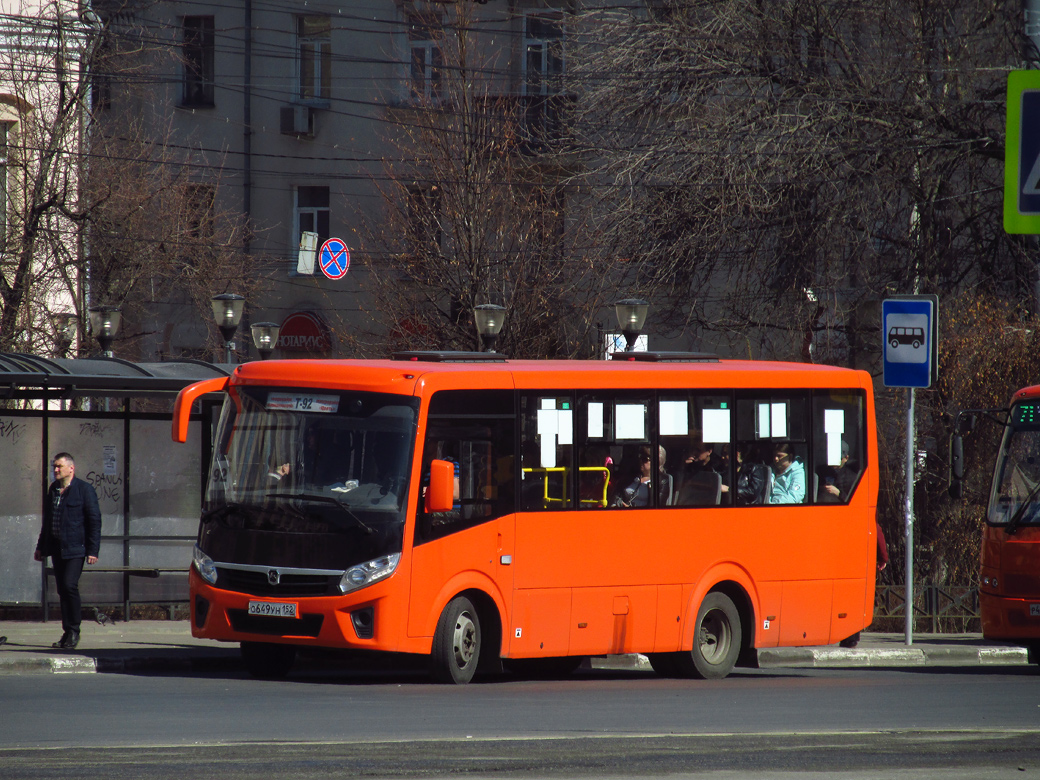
(440, 493)
(956, 466)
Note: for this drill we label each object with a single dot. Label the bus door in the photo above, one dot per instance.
(471, 546)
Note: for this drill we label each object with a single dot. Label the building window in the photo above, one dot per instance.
(314, 39)
(426, 59)
(311, 214)
(543, 54)
(198, 52)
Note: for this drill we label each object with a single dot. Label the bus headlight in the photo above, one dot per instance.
(204, 565)
(364, 574)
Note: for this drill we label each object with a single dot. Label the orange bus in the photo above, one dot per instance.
(1009, 577)
(487, 512)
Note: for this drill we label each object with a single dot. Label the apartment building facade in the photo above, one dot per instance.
(286, 115)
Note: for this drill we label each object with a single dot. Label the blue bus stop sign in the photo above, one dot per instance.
(909, 328)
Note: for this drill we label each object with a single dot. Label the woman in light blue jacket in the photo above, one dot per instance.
(789, 480)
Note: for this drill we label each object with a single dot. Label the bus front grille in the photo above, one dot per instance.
(258, 584)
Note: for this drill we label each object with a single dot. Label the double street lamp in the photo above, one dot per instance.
(489, 318)
(104, 324)
(265, 337)
(631, 314)
(227, 311)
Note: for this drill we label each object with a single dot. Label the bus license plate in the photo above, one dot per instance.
(273, 609)
(1034, 610)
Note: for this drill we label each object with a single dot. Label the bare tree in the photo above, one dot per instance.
(103, 206)
(472, 215)
(772, 167)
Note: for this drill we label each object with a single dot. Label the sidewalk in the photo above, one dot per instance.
(166, 646)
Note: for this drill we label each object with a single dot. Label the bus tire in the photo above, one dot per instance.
(268, 661)
(716, 639)
(456, 643)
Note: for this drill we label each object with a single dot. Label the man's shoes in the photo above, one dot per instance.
(851, 641)
(68, 641)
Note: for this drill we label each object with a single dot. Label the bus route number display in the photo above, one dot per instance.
(293, 402)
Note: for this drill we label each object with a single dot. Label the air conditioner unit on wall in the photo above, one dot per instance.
(296, 120)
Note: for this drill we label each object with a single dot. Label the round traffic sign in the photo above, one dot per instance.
(334, 258)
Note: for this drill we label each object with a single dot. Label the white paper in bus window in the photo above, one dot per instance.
(548, 452)
(565, 426)
(834, 427)
(630, 421)
(674, 418)
(715, 424)
(778, 423)
(548, 423)
(548, 403)
(596, 421)
(763, 421)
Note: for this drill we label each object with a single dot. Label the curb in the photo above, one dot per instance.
(835, 658)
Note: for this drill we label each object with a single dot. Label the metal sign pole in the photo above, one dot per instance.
(909, 520)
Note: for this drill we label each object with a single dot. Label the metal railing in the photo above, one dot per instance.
(938, 609)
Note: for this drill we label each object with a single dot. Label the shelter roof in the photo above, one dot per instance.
(31, 376)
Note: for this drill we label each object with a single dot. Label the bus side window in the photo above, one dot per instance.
(475, 431)
(838, 434)
(546, 447)
(773, 431)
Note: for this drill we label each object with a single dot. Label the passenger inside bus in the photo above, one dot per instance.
(789, 476)
(753, 476)
(701, 481)
(638, 492)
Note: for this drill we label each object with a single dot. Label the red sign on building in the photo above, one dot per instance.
(304, 331)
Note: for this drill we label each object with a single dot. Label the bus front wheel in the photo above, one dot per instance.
(266, 660)
(716, 639)
(456, 643)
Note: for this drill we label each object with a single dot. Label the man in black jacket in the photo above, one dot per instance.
(71, 534)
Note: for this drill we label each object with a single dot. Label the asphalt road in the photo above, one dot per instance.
(932, 722)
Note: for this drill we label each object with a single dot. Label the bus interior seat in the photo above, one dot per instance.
(704, 489)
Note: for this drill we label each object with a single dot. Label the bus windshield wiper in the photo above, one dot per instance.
(1016, 518)
(328, 500)
(220, 511)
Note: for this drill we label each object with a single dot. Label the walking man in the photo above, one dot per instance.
(71, 534)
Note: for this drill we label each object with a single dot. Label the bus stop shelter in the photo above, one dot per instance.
(113, 416)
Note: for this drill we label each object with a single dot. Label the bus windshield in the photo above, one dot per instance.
(333, 465)
(1016, 485)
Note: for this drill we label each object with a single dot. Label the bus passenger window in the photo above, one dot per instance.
(772, 430)
(475, 431)
(838, 433)
(696, 431)
(547, 441)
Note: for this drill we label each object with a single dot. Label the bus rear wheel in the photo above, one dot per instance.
(268, 661)
(716, 639)
(456, 643)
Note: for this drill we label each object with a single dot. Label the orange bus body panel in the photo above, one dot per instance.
(595, 582)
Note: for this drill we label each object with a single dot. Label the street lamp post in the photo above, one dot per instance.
(104, 323)
(227, 311)
(631, 314)
(265, 337)
(489, 318)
